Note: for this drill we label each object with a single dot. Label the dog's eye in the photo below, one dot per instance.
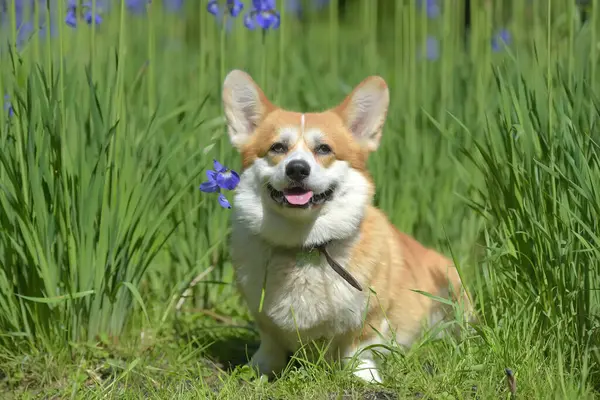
(323, 149)
(278, 148)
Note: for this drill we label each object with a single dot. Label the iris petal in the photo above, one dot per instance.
(249, 21)
(211, 175)
(223, 202)
(209, 187)
(228, 180)
(90, 18)
(263, 5)
(264, 19)
(173, 5)
(71, 19)
(213, 7)
(235, 7)
(500, 40)
(217, 166)
(276, 20)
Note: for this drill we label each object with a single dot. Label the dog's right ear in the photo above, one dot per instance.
(245, 106)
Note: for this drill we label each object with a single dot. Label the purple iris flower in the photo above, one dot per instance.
(295, 6)
(137, 6)
(8, 106)
(173, 5)
(86, 11)
(262, 15)
(24, 32)
(220, 178)
(432, 7)
(500, 39)
(232, 7)
(88, 15)
(431, 50)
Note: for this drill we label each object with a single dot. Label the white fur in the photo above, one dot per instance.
(367, 370)
(289, 134)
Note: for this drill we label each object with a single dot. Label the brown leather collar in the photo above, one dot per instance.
(341, 271)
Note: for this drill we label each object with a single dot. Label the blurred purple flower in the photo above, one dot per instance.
(500, 39)
(173, 5)
(262, 15)
(318, 4)
(432, 7)
(25, 11)
(137, 6)
(431, 49)
(295, 6)
(232, 7)
(24, 32)
(8, 106)
(86, 11)
(71, 18)
(264, 5)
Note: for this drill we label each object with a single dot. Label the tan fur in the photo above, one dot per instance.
(394, 263)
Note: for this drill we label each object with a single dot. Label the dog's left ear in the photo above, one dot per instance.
(364, 111)
(245, 106)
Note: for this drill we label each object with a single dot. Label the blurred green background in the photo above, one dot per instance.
(489, 154)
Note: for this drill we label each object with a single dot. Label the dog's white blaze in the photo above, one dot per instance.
(302, 124)
(301, 152)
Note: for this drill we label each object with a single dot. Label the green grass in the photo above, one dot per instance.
(493, 158)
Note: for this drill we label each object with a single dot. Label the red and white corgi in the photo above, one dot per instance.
(304, 185)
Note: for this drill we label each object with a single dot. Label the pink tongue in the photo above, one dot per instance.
(298, 199)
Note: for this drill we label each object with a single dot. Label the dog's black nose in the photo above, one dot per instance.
(297, 170)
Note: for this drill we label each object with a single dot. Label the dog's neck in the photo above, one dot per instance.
(323, 250)
(320, 243)
(302, 247)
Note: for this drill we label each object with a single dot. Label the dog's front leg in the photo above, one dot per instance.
(270, 358)
(366, 367)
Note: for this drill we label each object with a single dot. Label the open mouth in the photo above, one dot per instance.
(300, 197)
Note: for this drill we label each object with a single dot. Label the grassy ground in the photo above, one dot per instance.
(115, 279)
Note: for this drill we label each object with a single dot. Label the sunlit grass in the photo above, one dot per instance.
(490, 156)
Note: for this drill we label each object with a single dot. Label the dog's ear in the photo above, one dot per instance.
(245, 106)
(364, 111)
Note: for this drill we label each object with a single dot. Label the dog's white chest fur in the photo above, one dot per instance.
(303, 295)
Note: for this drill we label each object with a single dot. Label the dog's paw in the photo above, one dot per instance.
(367, 371)
(267, 364)
(263, 373)
(257, 377)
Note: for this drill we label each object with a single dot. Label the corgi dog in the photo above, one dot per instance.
(314, 260)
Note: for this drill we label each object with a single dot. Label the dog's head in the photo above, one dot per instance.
(304, 176)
